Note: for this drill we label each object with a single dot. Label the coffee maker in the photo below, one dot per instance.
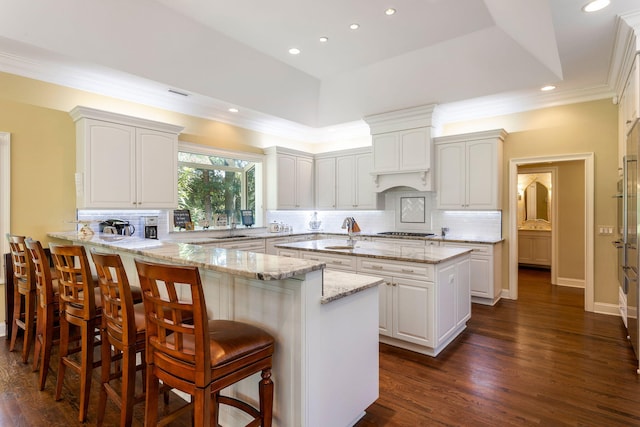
(150, 227)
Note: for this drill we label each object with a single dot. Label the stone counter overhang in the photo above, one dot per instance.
(380, 250)
(240, 263)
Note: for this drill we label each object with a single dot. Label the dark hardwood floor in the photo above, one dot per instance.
(540, 360)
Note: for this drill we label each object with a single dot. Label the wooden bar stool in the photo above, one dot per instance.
(24, 288)
(48, 307)
(124, 330)
(200, 357)
(81, 306)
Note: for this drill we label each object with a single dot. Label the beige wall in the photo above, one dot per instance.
(588, 127)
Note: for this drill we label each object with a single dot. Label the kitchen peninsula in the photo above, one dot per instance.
(425, 300)
(325, 323)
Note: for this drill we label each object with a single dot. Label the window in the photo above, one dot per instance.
(214, 187)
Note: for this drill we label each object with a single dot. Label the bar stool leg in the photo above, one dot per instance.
(17, 309)
(29, 326)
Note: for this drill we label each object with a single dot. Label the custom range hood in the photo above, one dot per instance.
(402, 148)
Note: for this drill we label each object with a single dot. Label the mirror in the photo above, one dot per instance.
(534, 199)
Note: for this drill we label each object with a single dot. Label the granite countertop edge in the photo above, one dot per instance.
(207, 258)
(375, 250)
(338, 284)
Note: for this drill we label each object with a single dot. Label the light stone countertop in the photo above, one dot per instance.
(338, 284)
(335, 285)
(240, 263)
(380, 250)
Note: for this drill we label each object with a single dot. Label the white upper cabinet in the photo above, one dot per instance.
(325, 183)
(354, 182)
(402, 151)
(344, 181)
(289, 179)
(123, 162)
(402, 148)
(469, 171)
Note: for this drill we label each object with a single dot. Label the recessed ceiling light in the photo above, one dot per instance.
(390, 11)
(294, 51)
(547, 88)
(354, 26)
(233, 110)
(323, 39)
(595, 5)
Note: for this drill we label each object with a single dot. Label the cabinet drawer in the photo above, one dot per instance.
(251, 246)
(413, 270)
(401, 242)
(288, 253)
(337, 262)
(478, 249)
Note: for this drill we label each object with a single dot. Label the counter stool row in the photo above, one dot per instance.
(170, 331)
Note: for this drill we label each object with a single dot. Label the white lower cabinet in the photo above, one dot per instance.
(486, 271)
(423, 307)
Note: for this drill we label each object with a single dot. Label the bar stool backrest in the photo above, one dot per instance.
(117, 301)
(42, 273)
(21, 266)
(76, 287)
(177, 331)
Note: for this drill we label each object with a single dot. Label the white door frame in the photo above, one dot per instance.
(5, 195)
(589, 220)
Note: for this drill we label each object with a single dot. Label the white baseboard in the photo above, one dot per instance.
(606, 308)
(572, 283)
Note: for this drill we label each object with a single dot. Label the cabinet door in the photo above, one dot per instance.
(365, 195)
(482, 175)
(463, 291)
(385, 152)
(304, 183)
(481, 276)
(385, 307)
(446, 316)
(450, 165)
(325, 183)
(525, 249)
(110, 165)
(157, 169)
(345, 182)
(286, 182)
(413, 307)
(415, 149)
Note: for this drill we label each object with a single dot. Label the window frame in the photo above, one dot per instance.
(257, 161)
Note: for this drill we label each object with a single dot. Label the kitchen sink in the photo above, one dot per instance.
(235, 236)
(339, 247)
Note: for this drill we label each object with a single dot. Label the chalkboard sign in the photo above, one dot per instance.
(181, 217)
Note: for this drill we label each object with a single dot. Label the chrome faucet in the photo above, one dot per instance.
(348, 224)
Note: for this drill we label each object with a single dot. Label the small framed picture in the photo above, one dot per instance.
(412, 210)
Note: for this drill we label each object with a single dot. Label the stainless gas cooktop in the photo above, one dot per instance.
(405, 234)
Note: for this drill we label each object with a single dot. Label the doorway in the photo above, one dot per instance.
(588, 221)
(537, 217)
